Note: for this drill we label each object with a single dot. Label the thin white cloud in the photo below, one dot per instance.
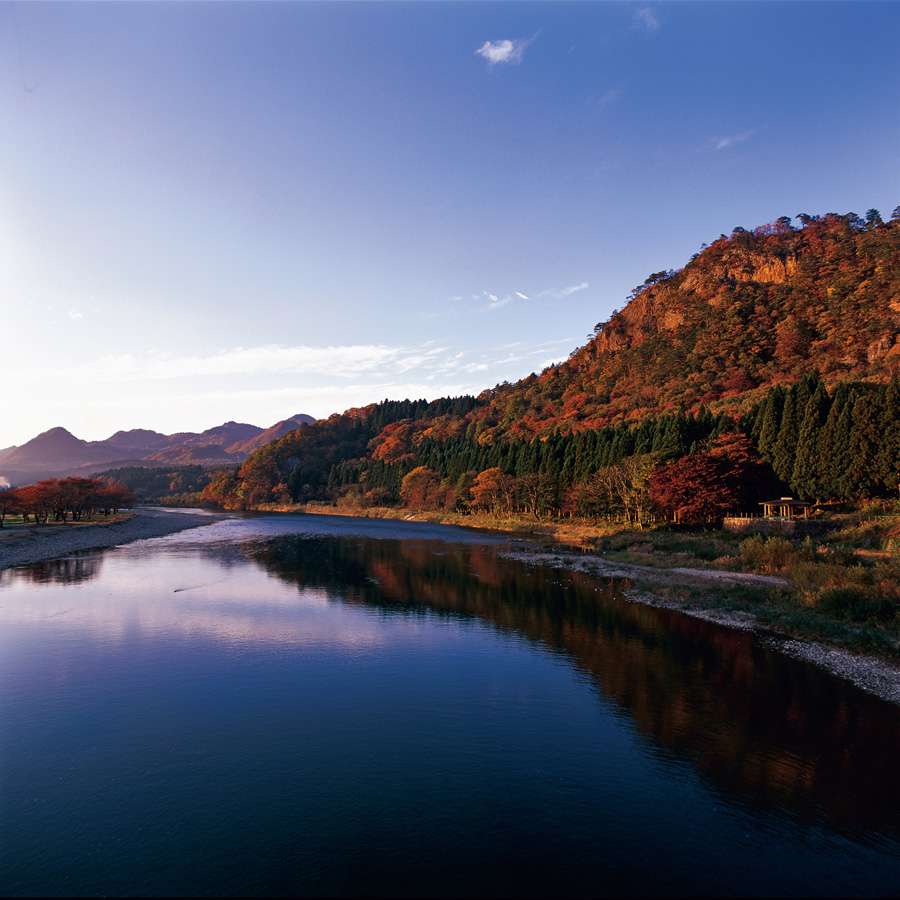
(552, 361)
(259, 384)
(646, 18)
(278, 360)
(506, 51)
(75, 316)
(269, 360)
(491, 300)
(562, 293)
(731, 140)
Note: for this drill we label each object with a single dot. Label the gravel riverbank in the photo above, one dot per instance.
(18, 548)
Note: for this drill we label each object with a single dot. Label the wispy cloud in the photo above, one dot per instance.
(268, 360)
(731, 140)
(646, 18)
(562, 293)
(506, 51)
(497, 301)
(75, 316)
(265, 384)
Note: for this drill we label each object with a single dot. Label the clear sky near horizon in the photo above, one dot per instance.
(224, 210)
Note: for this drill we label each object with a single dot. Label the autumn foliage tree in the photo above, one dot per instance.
(694, 489)
(707, 486)
(494, 491)
(421, 489)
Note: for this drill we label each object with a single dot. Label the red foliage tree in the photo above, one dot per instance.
(706, 486)
(421, 489)
(694, 489)
(10, 503)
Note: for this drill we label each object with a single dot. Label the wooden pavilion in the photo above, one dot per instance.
(786, 508)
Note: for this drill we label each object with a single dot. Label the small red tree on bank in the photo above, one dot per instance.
(707, 486)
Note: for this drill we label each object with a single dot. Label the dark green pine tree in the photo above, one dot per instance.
(527, 460)
(587, 453)
(888, 459)
(836, 446)
(604, 448)
(803, 391)
(755, 423)
(644, 438)
(706, 421)
(623, 445)
(861, 476)
(785, 449)
(723, 425)
(805, 477)
(674, 442)
(551, 467)
(771, 423)
(568, 463)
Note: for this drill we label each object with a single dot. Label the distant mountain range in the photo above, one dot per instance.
(57, 453)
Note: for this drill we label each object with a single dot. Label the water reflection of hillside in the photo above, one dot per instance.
(69, 570)
(756, 723)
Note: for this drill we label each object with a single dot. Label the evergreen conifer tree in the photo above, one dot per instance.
(785, 447)
(525, 461)
(644, 437)
(588, 452)
(771, 423)
(804, 479)
(888, 459)
(674, 441)
(838, 461)
(861, 476)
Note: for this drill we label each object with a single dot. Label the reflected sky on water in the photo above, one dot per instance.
(331, 706)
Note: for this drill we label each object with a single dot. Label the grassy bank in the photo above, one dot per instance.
(14, 525)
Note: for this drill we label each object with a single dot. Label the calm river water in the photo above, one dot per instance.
(323, 706)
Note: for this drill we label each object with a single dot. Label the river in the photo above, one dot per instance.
(312, 705)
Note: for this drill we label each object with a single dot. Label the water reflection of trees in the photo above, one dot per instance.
(69, 570)
(753, 721)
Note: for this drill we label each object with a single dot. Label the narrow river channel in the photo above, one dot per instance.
(302, 705)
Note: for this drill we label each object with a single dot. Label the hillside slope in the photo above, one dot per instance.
(752, 310)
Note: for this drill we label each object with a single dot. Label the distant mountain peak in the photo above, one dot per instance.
(57, 452)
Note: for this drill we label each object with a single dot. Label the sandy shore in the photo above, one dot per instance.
(17, 548)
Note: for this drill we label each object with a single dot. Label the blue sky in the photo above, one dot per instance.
(223, 210)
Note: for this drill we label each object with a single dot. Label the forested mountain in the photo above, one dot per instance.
(770, 348)
(752, 310)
